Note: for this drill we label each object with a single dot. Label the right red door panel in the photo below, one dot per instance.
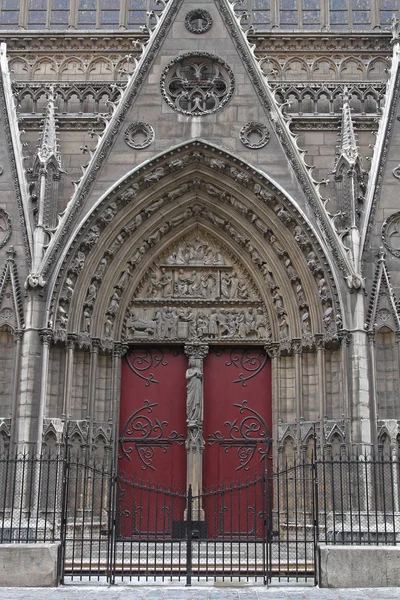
(237, 426)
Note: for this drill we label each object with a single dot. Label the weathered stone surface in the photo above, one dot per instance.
(29, 565)
(359, 566)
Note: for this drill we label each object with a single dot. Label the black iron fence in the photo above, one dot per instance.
(269, 525)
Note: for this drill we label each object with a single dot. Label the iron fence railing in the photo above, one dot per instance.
(269, 525)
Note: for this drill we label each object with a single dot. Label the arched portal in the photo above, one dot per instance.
(193, 267)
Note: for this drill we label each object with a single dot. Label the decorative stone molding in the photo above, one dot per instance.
(254, 135)
(198, 21)
(196, 350)
(139, 135)
(11, 302)
(391, 233)
(180, 83)
(155, 173)
(5, 227)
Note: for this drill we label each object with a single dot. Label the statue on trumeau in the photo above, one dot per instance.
(194, 401)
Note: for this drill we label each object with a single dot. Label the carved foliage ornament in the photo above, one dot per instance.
(198, 21)
(139, 135)
(391, 234)
(197, 84)
(254, 135)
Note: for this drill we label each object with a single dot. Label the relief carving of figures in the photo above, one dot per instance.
(91, 294)
(123, 280)
(117, 243)
(276, 246)
(299, 236)
(130, 193)
(178, 192)
(87, 317)
(135, 323)
(68, 289)
(114, 304)
(155, 175)
(208, 285)
(78, 262)
(194, 402)
(62, 317)
(283, 327)
(301, 299)
(188, 323)
(138, 255)
(154, 207)
(134, 224)
(181, 218)
(282, 213)
(313, 263)
(161, 286)
(291, 271)
(327, 317)
(92, 237)
(108, 327)
(323, 290)
(260, 191)
(109, 214)
(101, 269)
(305, 321)
(239, 176)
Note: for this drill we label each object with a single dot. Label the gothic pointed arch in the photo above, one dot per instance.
(242, 223)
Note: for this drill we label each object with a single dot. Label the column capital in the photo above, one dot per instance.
(196, 350)
(273, 349)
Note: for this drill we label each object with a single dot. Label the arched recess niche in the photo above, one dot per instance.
(156, 206)
(194, 191)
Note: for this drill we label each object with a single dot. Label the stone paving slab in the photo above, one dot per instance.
(206, 592)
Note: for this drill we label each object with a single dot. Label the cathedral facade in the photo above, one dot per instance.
(199, 219)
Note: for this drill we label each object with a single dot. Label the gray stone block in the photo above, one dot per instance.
(359, 566)
(29, 565)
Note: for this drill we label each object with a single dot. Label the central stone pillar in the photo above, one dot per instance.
(194, 413)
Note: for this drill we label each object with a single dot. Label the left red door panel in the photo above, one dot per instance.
(152, 440)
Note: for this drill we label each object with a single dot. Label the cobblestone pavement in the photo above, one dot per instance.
(206, 592)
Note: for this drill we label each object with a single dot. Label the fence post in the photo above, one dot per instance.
(315, 517)
(64, 507)
(189, 537)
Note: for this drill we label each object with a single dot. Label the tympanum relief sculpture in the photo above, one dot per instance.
(196, 293)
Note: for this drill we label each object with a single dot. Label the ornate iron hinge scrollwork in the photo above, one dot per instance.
(145, 435)
(249, 435)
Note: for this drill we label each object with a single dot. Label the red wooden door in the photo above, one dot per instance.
(237, 426)
(152, 436)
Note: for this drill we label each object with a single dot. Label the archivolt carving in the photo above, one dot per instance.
(250, 213)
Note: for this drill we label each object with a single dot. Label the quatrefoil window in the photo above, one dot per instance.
(197, 84)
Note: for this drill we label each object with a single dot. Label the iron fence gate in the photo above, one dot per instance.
(124, 529)
(268, 526)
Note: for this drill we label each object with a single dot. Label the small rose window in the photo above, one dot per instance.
(197, 84)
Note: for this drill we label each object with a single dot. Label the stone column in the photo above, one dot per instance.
(298, 374)
(194, 413)
(320, 344)
(69, 367)
(273, 350)
(46, 337)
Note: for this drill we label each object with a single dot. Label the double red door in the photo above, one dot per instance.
(236, 430)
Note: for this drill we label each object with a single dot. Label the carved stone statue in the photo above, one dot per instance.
(194, 401)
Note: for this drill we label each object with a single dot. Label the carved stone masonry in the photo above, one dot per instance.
(195, 409)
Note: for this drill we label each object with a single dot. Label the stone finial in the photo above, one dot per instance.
(48, 146)
(348, 144)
